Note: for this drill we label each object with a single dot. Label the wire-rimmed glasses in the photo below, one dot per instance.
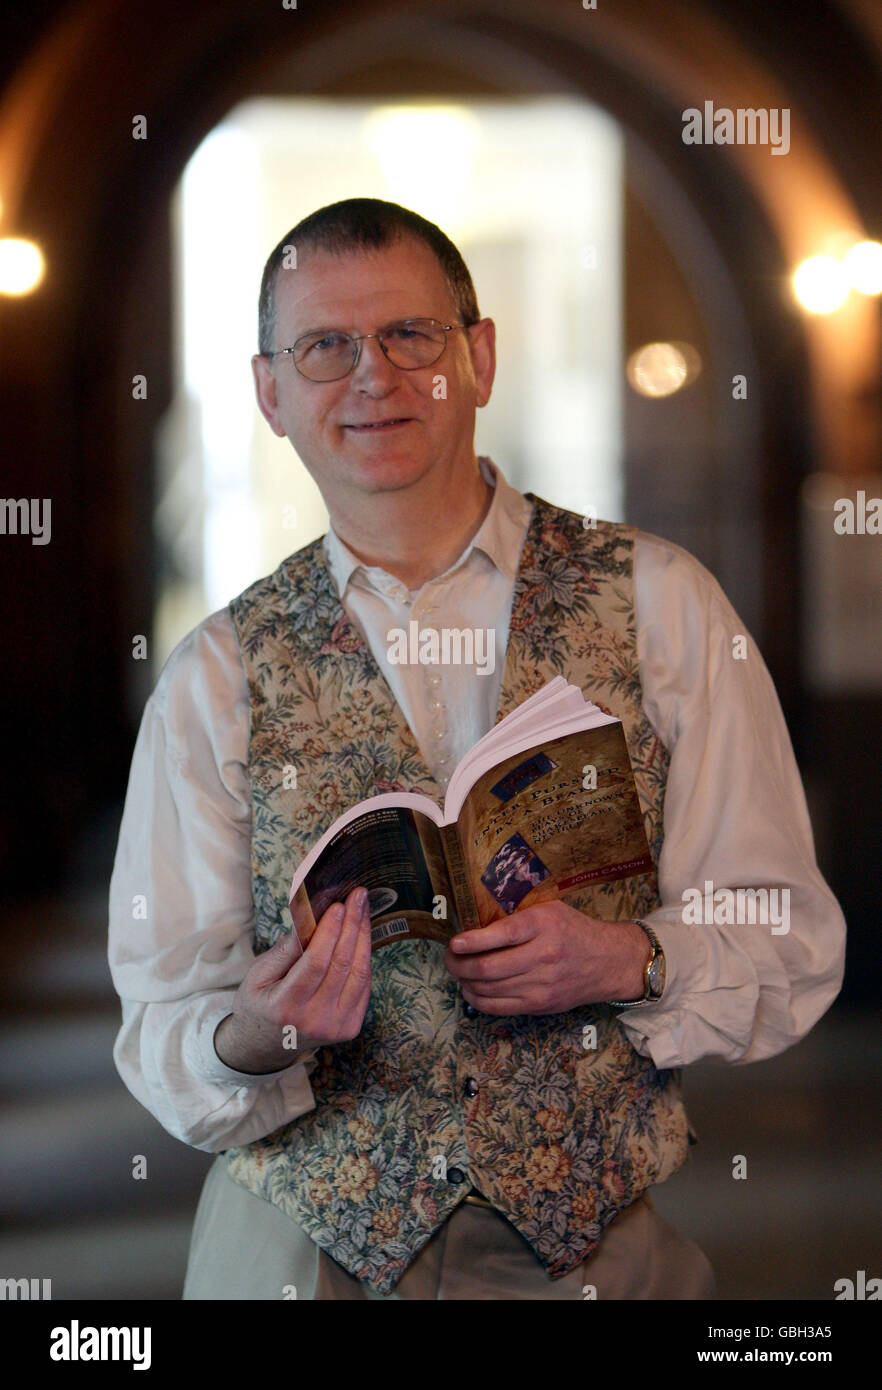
(330, 354)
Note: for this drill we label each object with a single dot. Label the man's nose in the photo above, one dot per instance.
(374, 371)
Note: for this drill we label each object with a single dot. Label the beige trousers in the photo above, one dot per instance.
(245, 1248)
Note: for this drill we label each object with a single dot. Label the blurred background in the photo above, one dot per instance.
(690, 339)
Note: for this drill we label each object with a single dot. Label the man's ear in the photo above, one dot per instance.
(265, 390)
(482, 343)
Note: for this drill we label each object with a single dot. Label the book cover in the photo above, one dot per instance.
(530, 816)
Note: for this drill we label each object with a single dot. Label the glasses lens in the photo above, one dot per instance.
(414, 342)
(324, 357)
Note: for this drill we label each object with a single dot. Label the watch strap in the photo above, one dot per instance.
(656, 951)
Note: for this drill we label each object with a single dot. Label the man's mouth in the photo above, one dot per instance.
(379, 425)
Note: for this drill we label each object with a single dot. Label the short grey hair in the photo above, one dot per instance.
(363, 224)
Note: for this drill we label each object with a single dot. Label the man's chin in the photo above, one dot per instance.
(386, 471)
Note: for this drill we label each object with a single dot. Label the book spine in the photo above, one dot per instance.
(466, 907)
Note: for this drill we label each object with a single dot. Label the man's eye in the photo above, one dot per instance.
(328, 342)
(403, 334)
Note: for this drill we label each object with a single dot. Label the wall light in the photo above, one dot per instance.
(863, 266)
(21, 265)
(660, 369)
(820, 284)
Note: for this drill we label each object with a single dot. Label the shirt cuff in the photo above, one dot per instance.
(686, 960)
(709, 1001)
(685, 965)
(207, 1064)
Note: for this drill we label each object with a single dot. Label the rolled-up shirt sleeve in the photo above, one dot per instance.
(180, 923)
(735, 817)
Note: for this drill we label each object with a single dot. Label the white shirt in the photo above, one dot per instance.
(448, 706)
(734, 814)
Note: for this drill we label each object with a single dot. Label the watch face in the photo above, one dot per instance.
(657, 976)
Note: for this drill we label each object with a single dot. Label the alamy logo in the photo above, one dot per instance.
(737, 907)
(23, 518)
(860, 1288)
(16, 1289)
(861, 516)
(451, 646)
(77, 1343)
(743, 126)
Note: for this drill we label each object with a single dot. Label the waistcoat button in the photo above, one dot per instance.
(469, 1010)
(455, 1175)
(471, 1087)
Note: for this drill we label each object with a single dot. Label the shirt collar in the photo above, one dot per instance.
(499, 536)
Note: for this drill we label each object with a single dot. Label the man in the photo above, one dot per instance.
(485, 1121)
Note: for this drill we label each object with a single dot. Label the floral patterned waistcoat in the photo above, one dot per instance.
(561, 1134)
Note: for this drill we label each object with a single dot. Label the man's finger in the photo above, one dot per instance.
(504, 981)
(340, 963)
(275, 963)
(508, 1005)
(310, 970)
(521, 926)
(359, 977)
(498, 965)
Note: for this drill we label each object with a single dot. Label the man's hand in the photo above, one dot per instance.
(323, 991)
(547, 959)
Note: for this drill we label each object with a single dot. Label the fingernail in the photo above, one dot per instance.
(361, 901)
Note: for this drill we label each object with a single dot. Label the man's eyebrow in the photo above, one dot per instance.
(322, 328)
(335, 327)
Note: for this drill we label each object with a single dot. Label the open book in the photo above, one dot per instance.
(543, 804)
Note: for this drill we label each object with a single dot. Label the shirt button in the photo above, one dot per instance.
(455, 1175)
(471, 1087)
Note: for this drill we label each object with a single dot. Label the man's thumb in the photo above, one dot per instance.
(282, 955)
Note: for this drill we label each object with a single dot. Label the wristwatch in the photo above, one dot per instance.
(653, 975)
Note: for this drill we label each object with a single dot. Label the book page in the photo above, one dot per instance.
(556, 702)
(512, 738)
(550, 819)
(395, 852)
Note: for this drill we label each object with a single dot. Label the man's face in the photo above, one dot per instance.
(330, 423)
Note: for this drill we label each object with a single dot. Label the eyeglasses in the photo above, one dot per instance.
(331, 355)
